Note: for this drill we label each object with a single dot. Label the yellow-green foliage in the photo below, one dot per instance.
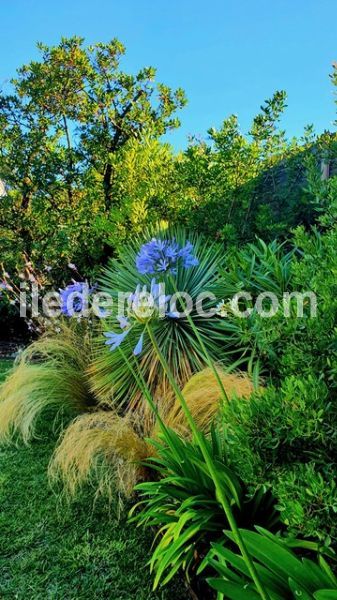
(103, 445)
(109, 447)
(50, 372)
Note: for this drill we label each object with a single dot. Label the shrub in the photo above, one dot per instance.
(286, 437)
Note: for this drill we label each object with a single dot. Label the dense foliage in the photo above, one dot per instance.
(286, 436)
(240, 405)
(85, 168)
(79, 155)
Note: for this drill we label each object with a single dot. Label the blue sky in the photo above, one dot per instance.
(228, 55)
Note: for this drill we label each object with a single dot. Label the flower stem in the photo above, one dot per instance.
(138, 375)
(212, 468)
(209, 361)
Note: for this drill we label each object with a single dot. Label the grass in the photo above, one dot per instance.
(51, 372)
(4, 366)
(52, 552)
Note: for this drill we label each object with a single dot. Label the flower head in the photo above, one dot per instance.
(143, 305)
(115, 339)
(164, 256)
(74, 298)
(187, 256)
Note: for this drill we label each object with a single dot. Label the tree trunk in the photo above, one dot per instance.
(107, 186)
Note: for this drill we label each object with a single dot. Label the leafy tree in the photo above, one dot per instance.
(242, 185)
(62, 126)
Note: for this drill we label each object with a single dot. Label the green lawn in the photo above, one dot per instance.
(49, 551)
(4, 366)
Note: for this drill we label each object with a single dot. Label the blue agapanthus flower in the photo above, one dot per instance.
(187, 256)
(160, 256)
(74, 298)
(143, 305)
(115, 339)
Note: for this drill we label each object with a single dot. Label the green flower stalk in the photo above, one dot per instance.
(212, 469)
(209, 361)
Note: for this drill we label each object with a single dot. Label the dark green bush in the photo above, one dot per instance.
(286, 437)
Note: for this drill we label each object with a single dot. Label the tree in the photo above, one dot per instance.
(234, 186)
(65, 128)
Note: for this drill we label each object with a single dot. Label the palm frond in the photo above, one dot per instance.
(110, 377)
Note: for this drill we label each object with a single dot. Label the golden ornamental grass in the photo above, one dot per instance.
(51, 372)
(107, 448)
(102, 445)
(203, 396)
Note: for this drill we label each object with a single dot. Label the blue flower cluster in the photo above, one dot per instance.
(142, 307)
(160, 256)
(156, 256)
(74, 298)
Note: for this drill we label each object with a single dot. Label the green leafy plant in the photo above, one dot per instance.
(183, 504)
(216, 474)
(259, 267)
(284, 574)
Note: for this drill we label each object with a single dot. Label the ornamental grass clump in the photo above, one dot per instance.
(106, 449)
(204, 398)
(50, 373)
(102, 448)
